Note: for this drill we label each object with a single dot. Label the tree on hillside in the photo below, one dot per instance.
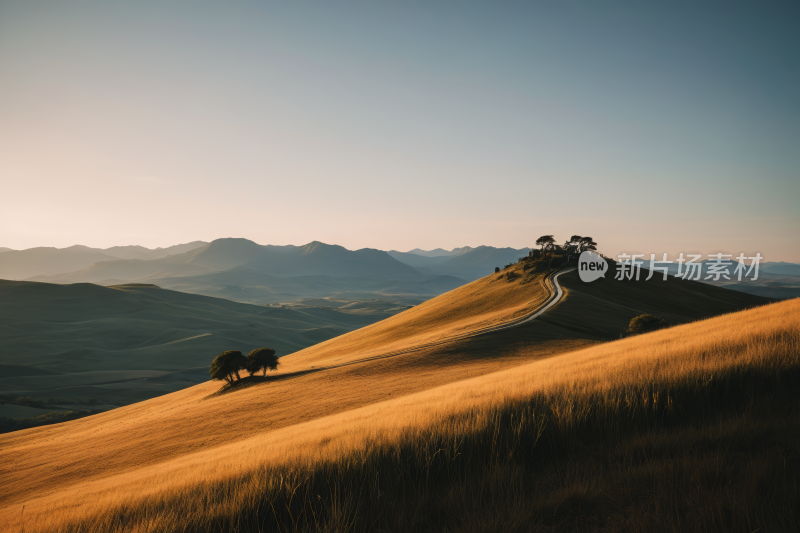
(586, 243)
(227, 364)
(572, 246)
(573, 243)
(262, 359)
(545, 241)
(645, 324)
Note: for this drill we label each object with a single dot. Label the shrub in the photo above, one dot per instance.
(29, 401)
(645, 324)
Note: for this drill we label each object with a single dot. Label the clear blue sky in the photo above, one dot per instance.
(656, 127)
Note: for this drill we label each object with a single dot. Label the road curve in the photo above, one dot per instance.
(556, 293)
(550, 283)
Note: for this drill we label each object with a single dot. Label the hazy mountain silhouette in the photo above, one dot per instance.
(317, 258)
(438, 252)
(418, 261)
(129, 270)
(782, 268)
(45, 261)
(314, 258)
(20, 264)
(140, 252)
(469, 263)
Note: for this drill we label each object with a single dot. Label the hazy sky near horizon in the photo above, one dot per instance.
(653, 127)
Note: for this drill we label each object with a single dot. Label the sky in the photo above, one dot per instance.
(654, 127)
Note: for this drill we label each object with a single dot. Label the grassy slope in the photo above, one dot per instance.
(129, 343)
(679, 413)
(150, 438)
(483, 303)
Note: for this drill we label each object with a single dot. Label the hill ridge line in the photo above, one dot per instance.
(556, 293)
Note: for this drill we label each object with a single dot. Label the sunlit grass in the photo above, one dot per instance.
(690, 428)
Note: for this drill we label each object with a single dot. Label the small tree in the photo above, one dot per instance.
(645, 324)
(545, 241)
(227, 364)
(262, 359)
(496, 270)
(586, 243)
(571, 246)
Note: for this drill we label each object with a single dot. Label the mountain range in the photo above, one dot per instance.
(244, 271)
(120, 264)
(48, 261)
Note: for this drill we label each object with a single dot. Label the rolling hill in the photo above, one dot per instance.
(245, 284)
(590, 312)
(116, 345)
(368, 442)
(775, 280)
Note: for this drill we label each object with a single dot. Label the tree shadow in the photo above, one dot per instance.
(251, 381)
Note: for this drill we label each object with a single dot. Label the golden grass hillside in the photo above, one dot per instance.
(484, 303)
(165, 428)
(690, 428)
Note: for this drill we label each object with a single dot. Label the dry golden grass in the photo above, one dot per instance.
(158, 430)
(178, 462)
(484, 303)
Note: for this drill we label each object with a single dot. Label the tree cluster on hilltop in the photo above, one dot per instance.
(227, 365)
(551, 254)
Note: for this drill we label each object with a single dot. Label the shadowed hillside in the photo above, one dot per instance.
(117, 345)
(246, 284)
(774, 280)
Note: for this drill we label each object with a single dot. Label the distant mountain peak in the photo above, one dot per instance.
(438, 252)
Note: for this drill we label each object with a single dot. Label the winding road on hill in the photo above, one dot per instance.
(550, 283)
